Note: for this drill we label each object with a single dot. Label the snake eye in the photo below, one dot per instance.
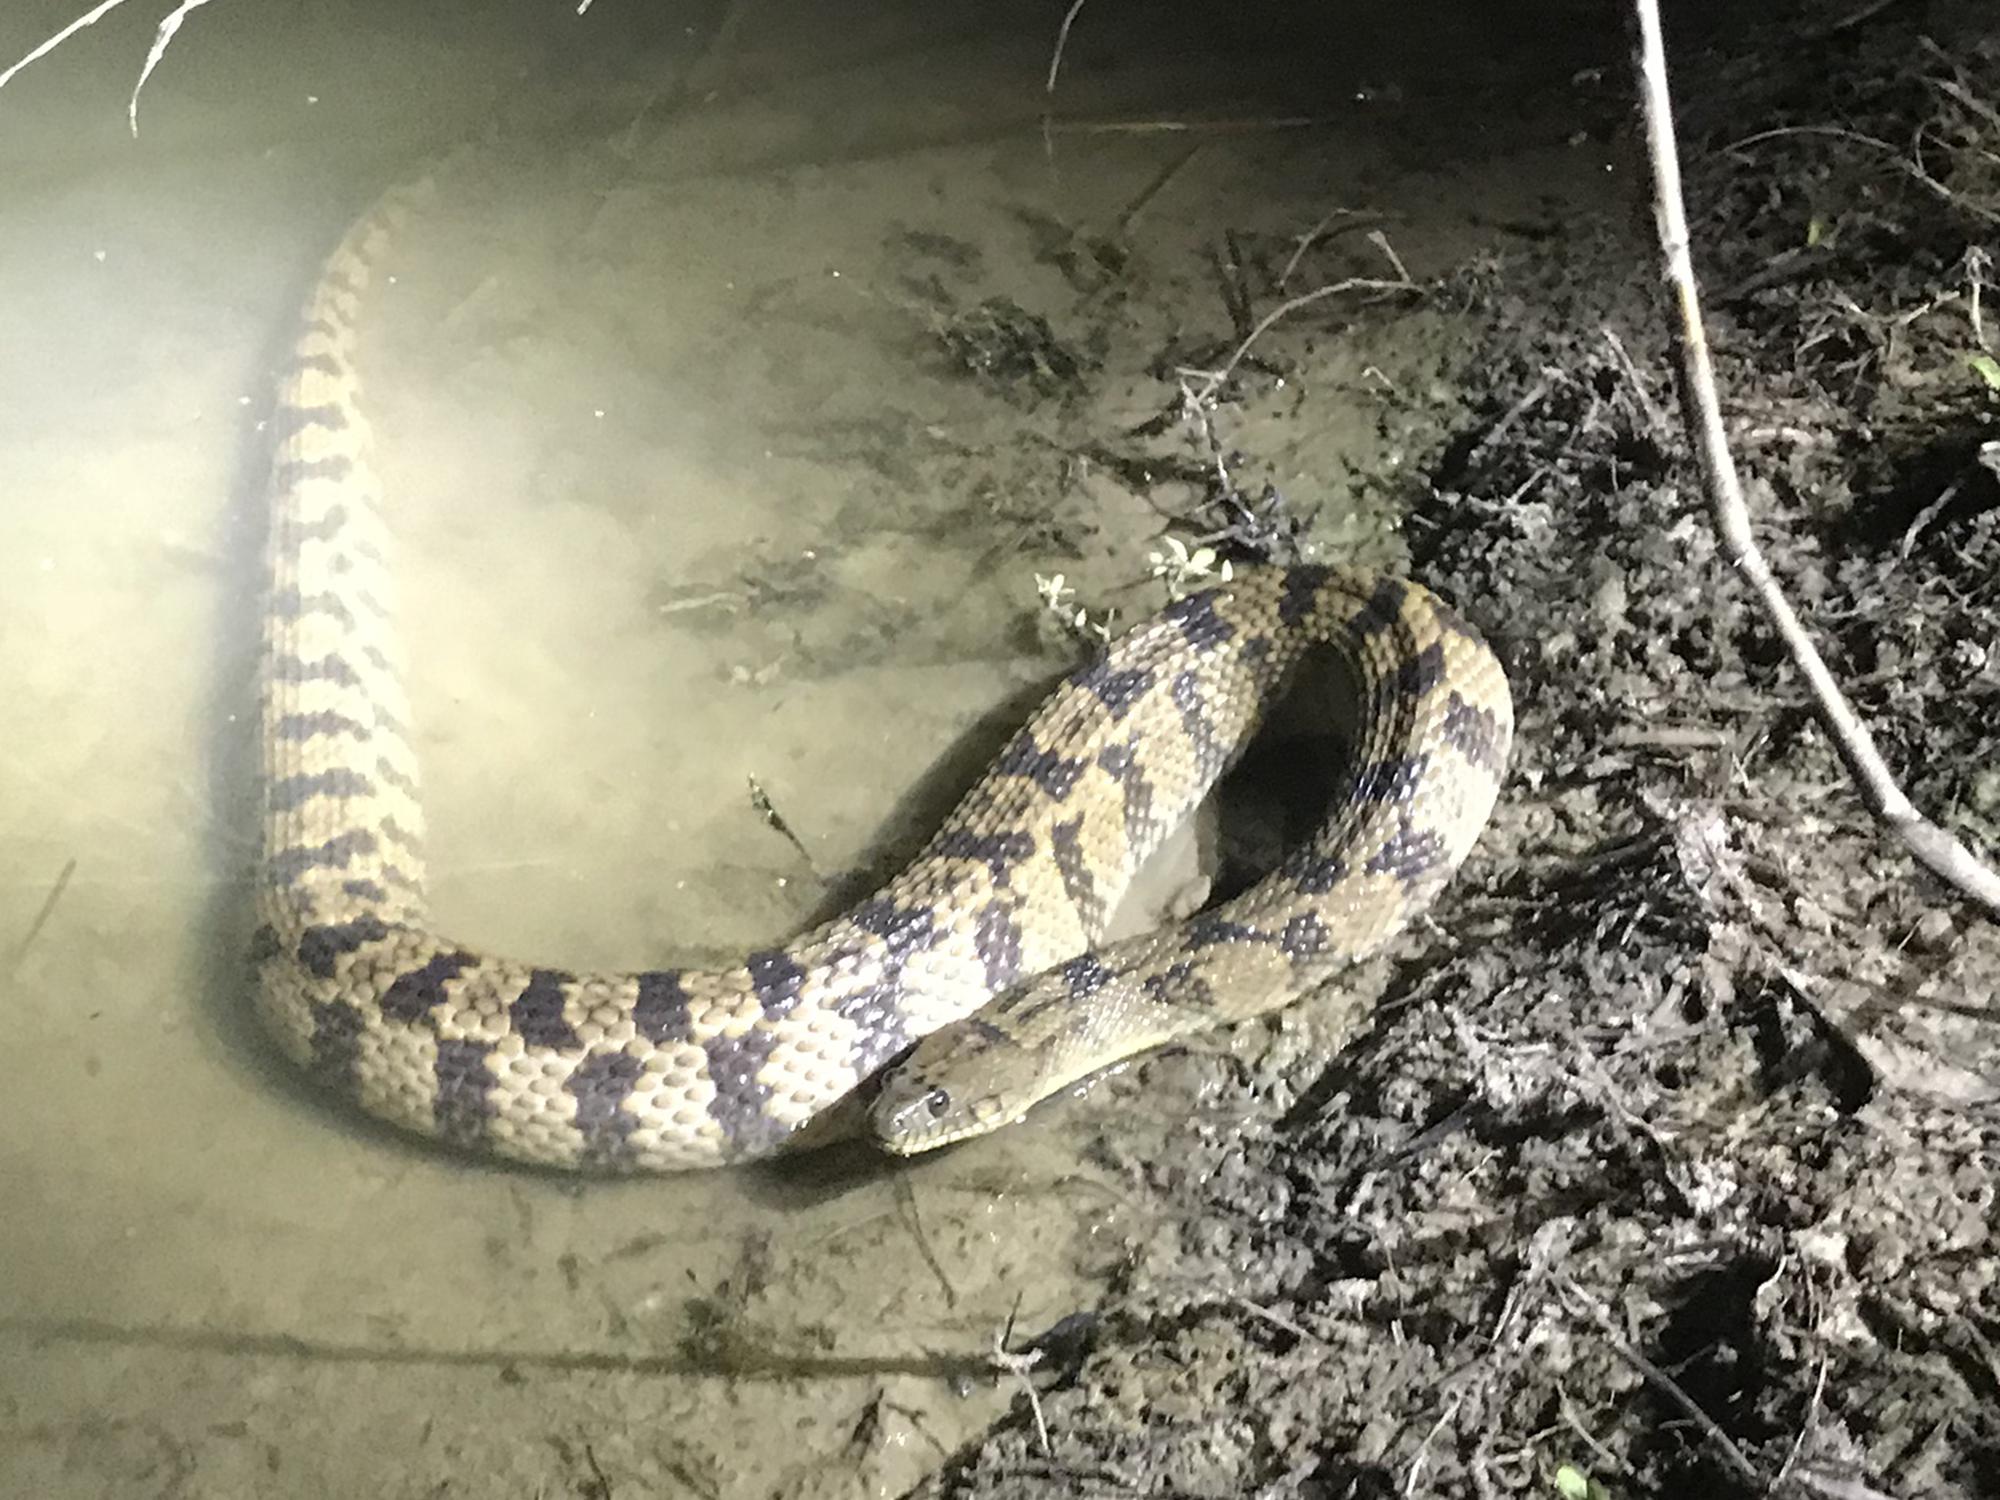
(937, 1102)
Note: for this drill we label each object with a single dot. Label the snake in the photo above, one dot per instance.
(971, 985)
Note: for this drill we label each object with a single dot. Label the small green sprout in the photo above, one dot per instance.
(1573, 1484)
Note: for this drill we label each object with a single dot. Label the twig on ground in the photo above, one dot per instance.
(1212, 379)
(1855, 17)
(1912, 169)
(1311, 237)
(1276, 1320)
(1018, 1366)
(1813, 1405)
(1656, 421)
(1381, 242)
(1508, 418)
(1593, 1308)
(1573, 1420)
(1930, 513)
(1933, 847)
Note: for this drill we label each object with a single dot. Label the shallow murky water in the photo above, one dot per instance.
(689, 494)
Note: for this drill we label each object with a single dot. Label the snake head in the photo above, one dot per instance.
(957, 1083)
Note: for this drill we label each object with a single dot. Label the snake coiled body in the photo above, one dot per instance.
(669, 1069)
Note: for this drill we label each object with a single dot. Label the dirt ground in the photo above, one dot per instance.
(1669, 1164)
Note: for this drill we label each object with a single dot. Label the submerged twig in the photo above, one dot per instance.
(1213, 379)
(88, 18)
(1062, 41)
(41, 917)
(162, 36)
(1934, 848)
(766, 809)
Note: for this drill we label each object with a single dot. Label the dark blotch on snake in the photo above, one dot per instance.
(1474, 733)
(339, 283)
(292, 472)
(321, 363)
(298, 728)
(1391, 780)
(289, 793)
(1410, 854)
(321, 947)
(1205, 930)
(1124, 764)
(740, 1098)
(413, 994)
(903, 929)
(1384, 609)
(1051, 772)
(462, 1107)
(1084, 975)
(1198, 622)
(997, 938)
(332, 667)
(1066, 844)
(660, 1013)
(881, 1030)
(395, 778)
(1195, 725)
(999, 852)
(777, 978)
(1421, 673)
(288, 867)
(601, 1083)
(289, 604)
(1178, 985)
(400, 836)
(1312, 872)
(336, 1044)
(289, 421)
(537, 1012)
(1116, 690)
(1305, 936)
(1301, 593)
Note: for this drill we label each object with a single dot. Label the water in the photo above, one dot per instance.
(689, 494)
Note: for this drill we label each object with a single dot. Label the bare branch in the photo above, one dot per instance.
(1934, 848)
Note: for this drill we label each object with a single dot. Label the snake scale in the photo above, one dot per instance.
(988, 944)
